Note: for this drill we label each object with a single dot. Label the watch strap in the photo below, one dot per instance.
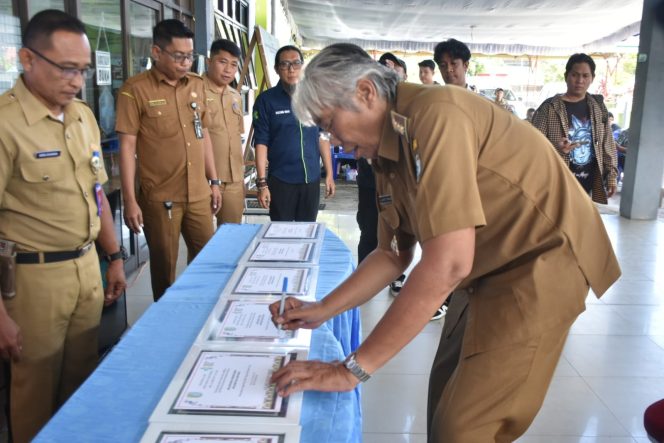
(214, 181)
(354, 368)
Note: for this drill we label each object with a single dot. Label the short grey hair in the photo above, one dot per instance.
(330, 79)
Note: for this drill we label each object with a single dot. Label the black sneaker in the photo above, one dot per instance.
(440, 313)
(396, 285)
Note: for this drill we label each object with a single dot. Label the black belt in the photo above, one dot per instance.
(30, 258)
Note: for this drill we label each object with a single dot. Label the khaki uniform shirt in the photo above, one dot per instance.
(226, 129)
(171, 160)
(450, 159)
(47, 181)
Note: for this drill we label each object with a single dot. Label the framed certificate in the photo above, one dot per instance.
(287, 251)
(215, 433)
(249, 321)
(267, 280)
(292, 230)
(226, 386)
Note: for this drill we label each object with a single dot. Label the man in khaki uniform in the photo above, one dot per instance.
(509, 226)
(226, 127)
(52, 206)
(162, 121)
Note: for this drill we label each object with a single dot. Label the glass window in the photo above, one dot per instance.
(34, 6)
(10, 42)
(103, 26)
(141, 21)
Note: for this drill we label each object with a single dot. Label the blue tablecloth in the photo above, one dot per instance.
(115, 403)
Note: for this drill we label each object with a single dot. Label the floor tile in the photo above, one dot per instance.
(628, 398)
(614, 356)
(395, 404)
(393, 438)
(571, 408)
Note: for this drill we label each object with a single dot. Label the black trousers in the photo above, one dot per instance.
(367, 220)
(290, 202)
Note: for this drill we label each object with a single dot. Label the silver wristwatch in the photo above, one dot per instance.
(351, 364)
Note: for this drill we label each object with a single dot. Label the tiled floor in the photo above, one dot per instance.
(612, 365)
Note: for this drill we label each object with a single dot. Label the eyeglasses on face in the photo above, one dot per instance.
(286, 65)
(179, 57)
(67, 73)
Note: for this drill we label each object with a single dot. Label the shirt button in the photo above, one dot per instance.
(67, 136)
(188, 144)
(45, 178)
(92, 225)
(391, 174)
(158, 112)
(188, 163)
(85, 194)
(184, 126)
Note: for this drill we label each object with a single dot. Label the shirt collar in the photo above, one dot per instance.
(389, 140)
(211, 86)
(160, 77)
(34, 110)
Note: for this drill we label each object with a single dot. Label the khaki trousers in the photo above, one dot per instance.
(232, 203)
(494, 396)
(162, 233)
(57, 308)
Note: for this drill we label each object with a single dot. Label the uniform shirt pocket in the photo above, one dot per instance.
(44, 178)
(161, 122)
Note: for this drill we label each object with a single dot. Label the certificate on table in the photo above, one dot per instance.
(237, 322)
(215, 433)
(214, 385)
(293, 230)
(241, 321)
(269, 280)
(234, 383)
(283, 251)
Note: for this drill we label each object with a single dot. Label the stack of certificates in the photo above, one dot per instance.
(222, 390)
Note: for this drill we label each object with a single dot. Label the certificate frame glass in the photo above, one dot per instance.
(156, 431)
(292, 231)
(170, 408)
(218, 328)
(259, 245)
(240, 283)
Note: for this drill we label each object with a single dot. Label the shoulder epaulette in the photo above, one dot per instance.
(7, 98)
(399, 124)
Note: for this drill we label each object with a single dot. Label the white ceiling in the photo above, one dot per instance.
(535, 27)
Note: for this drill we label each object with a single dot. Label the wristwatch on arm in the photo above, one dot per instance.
(214, 182)
(354, 368)
(120, 254)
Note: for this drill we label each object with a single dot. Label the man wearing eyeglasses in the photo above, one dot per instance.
(162, 121)
(290, 189)
(226, 127)
(52, 209)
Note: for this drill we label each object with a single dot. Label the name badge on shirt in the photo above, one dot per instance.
(47, 154)
(385, 200)
(160, 102)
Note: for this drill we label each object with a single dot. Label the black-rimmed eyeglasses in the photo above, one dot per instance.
(179, 58)
(66, 72)
(286, 65)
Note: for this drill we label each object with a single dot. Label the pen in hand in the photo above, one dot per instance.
(283, 299)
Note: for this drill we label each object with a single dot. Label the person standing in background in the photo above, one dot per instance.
(162, 122)
(226, 127)
(290, 186)
(52, 210)
(427, 70)
(577, 125)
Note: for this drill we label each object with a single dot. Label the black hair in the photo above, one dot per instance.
(284, 49)
(428, 63)
(403, 65)
(40, 28)
(388, 56)
(580, 58)
(225, 45)
(454, 48)
(166, 30)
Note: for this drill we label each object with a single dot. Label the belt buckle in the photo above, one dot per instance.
(84, 250)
